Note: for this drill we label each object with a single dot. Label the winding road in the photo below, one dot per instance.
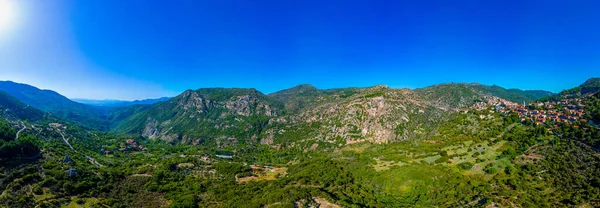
(67, 142)
(18, 132)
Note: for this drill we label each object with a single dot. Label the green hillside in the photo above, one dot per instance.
(298, 97)
(10, 107)
(514, 95)
(453, 95)
(58, 105)
(591, 86)
(205, 115)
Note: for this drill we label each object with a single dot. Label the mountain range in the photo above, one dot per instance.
(234, 115)
(380, 114)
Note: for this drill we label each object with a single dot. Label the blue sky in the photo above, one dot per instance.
(137, 49)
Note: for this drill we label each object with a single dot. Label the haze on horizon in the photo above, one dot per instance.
(141, 49)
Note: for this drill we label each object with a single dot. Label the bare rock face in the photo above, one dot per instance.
(170, 137)
(150, 130)
(268, 140)
(247, 105)
(226, 141)
(192, 101)
(240, 106)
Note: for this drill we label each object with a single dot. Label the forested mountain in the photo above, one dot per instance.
(515, 95)
(591, 86)
(216, 114)
(450, 96)
(304, 96)
(453, 95)
(12, 108)
(298, 97)
(230, 116)
(116, 115)
(378, 114)
(58, 105)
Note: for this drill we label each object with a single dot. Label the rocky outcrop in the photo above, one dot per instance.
(151, 129)
(377, 115)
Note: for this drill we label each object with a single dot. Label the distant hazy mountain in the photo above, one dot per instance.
(57, 104)
(119, 103)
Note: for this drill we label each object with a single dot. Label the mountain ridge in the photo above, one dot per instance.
(177, 119)
(205, 109)
(11, 107)
(589, 87)
(297, 106)
(55, 103)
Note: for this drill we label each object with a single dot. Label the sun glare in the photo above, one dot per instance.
(7, 15)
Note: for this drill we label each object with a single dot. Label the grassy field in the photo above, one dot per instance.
(83, 203)
(261, 175)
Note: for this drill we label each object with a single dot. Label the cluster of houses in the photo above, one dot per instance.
(131, 144)
(567, 110)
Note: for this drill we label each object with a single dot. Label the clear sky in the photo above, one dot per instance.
(137, 49)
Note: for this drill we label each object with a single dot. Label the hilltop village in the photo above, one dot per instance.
(550, 113)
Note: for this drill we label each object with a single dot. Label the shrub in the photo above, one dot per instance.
(465, 165)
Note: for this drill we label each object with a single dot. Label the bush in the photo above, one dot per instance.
(37, 190)
(491, 170)
(185, 201)
(80, 201)
(465, 166)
